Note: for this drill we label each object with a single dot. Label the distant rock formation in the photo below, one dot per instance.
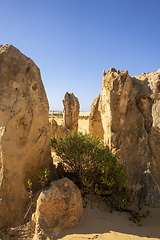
(24, 131)
(58, 208)
(70, 111)
(58, 130)
(130, 114)
(95, 121)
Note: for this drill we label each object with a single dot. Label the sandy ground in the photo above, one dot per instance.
(82, 124)
(98, 222)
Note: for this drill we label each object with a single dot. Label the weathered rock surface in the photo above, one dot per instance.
(58, 208)
(130, 113)
(70, 111)
(58, 130)
(95, 121)
(24, 131)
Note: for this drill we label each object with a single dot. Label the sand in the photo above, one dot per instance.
(82, 123)
(99, 223)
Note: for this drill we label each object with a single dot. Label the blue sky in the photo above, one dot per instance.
(73, 41)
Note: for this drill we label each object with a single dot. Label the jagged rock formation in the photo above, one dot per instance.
(130, 113)
(95, 121)
(24, 131)
(58, 130)
(58, 208)
(70, 111)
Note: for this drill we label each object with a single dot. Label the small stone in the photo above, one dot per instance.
(58, 208)
(58, 130)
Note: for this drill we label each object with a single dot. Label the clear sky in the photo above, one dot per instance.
(73, 41)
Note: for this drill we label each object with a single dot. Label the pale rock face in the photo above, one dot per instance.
(130, 113)
(24, 131)
(95, 121)
(58, 130)
(152, 125)
(70, 111)
(58, 208)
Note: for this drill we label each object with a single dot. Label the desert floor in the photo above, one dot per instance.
(98, 222)
(83, 124)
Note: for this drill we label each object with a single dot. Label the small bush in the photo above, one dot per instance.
(93, 165)
(43, 177)
(83, 117)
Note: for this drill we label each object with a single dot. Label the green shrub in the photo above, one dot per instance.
(43, 177)
(92, 163)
